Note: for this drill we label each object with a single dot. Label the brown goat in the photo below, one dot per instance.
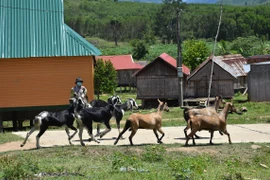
(211, 123)
(145, 121)
(208, 111)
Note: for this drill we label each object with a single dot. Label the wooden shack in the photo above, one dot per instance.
(159, 79)
(259, 78)
(125, 67)
(40, 60)
(228, 75)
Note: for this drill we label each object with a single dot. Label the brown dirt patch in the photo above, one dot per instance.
(197, 150)
(15, 145)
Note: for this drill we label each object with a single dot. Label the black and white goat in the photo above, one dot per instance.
(111, 100)
(87, 116)
(130, 104)
(45, 119)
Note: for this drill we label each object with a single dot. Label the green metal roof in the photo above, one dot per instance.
(36, 28)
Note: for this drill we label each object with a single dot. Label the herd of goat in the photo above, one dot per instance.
(100, 112)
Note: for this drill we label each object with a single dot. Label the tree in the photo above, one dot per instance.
(139, 49)
(115, 25)
(194, 53)
(105, 78)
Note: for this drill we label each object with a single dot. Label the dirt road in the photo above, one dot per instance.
(239, 133)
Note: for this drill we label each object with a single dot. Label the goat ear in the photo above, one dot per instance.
(159, 101)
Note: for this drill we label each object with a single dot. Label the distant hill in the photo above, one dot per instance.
(228, 2)
(201, 1)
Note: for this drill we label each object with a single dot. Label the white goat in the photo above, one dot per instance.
(145, 121)
(211, 123)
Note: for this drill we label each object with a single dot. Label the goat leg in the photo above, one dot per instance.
(229, 137)
(80, 135)
(75, 132)
(90, 130)
(197, 137)
(155, 132)
(98, 130)
(220, 132)
(163, 134)
(27, 135)
(118, 126)
(191, 135)
(211, 137)
(104, 132)
(127, 126)
(133, 132)
(107, 130)
(68, 134)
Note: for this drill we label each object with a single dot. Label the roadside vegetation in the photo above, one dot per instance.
(236, 161)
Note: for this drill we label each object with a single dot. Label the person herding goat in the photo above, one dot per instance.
(145, 121)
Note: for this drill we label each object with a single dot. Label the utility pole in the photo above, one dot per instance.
(179, 61)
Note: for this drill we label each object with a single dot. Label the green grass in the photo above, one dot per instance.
(8, 137)
(236, 161)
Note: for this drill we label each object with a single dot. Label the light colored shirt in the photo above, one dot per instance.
(80, 91)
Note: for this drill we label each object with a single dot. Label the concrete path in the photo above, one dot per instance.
(239, 133)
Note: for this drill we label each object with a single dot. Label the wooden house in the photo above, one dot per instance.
(228, 76)
(125, 67)
(40, 59)
(159, 79)
(259, 78)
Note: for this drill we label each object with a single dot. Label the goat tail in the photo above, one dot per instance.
(189, 124)
(186, 114)
(127, 125)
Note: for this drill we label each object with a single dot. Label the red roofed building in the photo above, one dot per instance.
(159, 79)
(125, 67)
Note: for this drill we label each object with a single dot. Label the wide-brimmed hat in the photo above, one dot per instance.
(78, 80)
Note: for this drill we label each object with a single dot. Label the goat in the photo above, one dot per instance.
(145, 121)
(208, 111)
(217, 121)
(45, 119)
(113, 100)
(86, 116)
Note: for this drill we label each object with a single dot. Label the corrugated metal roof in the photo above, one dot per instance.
(258, 59)
(31, 28)
(236, 63)
(121, 62)
(233, 64)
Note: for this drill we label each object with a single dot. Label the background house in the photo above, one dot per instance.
(40, 59)
(125, 67)
(228, 77)
(259, 78)
(159, 79)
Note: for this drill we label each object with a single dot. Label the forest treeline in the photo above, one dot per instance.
(125, 21)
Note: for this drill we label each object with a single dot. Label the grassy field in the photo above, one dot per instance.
(236, 161)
